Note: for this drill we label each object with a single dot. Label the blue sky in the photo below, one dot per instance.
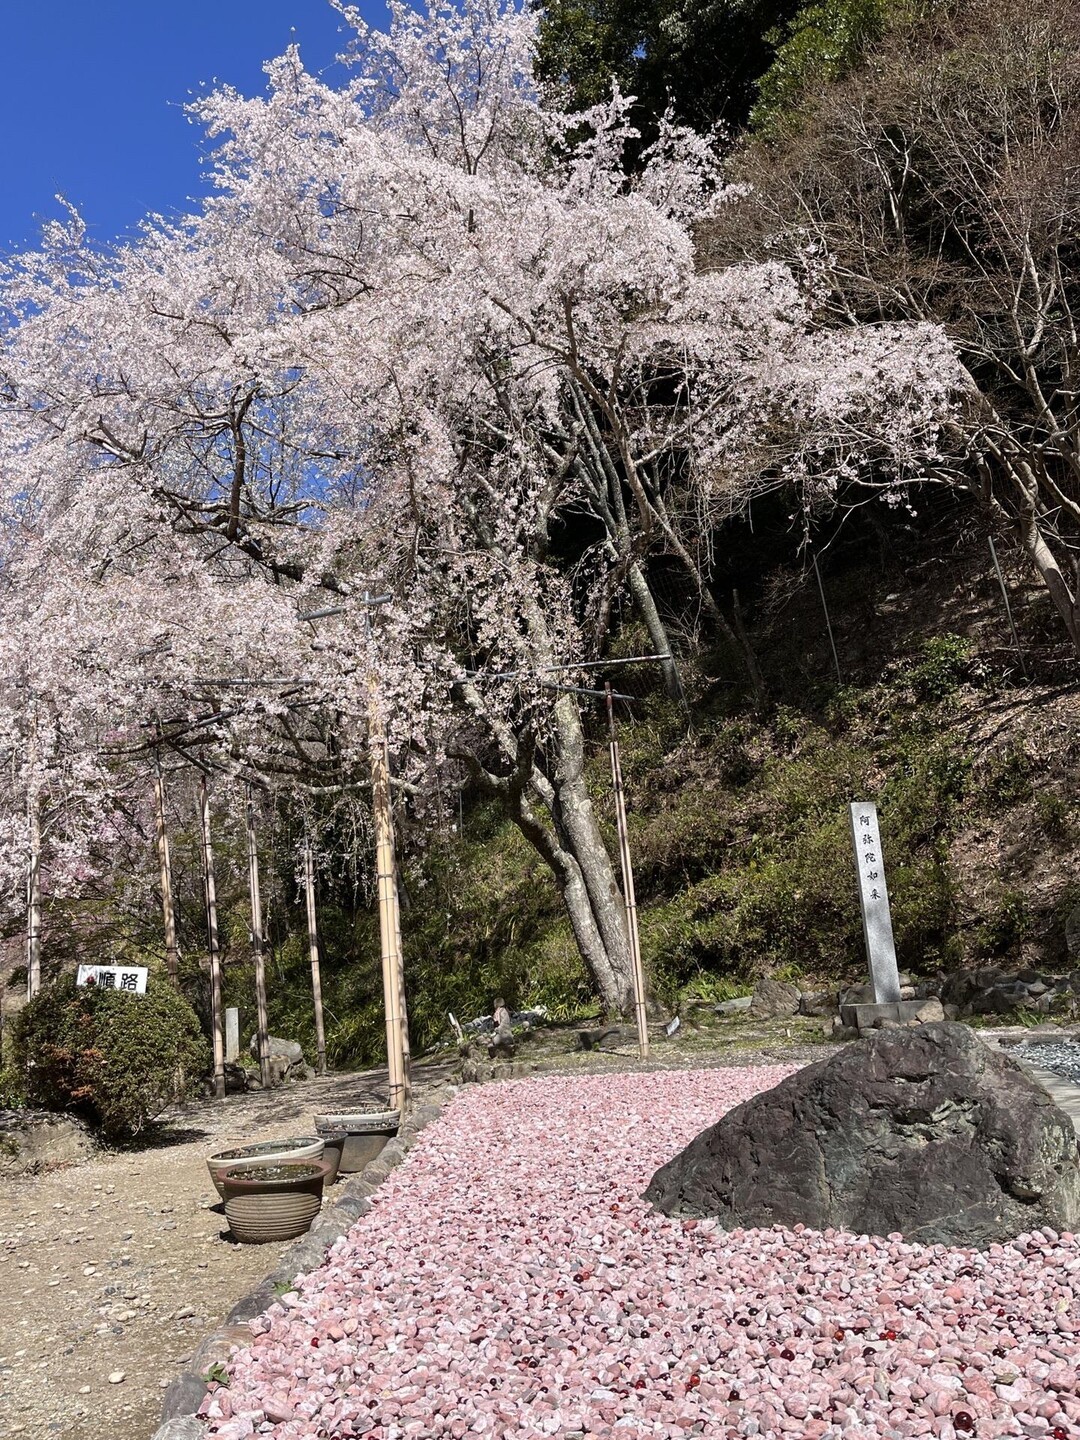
(92, 91)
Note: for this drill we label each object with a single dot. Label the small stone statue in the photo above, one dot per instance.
(502, 1042)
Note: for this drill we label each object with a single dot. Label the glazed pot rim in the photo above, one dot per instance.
(358, 1122)
(254, 1177)
(238, 1153)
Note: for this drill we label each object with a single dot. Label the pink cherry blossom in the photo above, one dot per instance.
(423, 331)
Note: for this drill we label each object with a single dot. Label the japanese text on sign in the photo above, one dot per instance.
(874, 900)
(130, 979)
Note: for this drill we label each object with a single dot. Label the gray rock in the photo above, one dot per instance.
(774, 999)
(818, 1002)
(1001, 999)
(32, 1141)
(925, 1131)
(353, 1206)
(502, 1044)
(731, 1007)
(187, 1427)
(423, 1115)
(857, 995)
(835, 1029)
(930, 1011)
(260, 1299)
(183, 1397)
(608, 1037)
(288, 1050)
(960, 987)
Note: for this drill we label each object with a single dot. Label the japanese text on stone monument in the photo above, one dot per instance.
(874, 899)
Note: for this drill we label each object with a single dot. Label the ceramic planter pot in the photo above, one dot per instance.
(266, 1152)
(333, 1145)
(273, 1202)
(365, 1135)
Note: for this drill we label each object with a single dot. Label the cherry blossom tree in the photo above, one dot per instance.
(427, 341)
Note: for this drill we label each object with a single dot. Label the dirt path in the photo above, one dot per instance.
(121, 1265)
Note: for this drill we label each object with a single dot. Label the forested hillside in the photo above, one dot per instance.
(767, 366)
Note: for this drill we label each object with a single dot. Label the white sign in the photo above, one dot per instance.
(874, 898)
(129, 978)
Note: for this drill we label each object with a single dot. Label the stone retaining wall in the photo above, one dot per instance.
(986, 990)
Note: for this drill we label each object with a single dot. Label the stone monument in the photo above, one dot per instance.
(877, 927)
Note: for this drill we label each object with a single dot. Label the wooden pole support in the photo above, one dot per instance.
(389, 913)
(313, 947)
(216, 1013)
(33, 902)
(629, 900)
(168, 913)
(405, 1049)
(262, 1030)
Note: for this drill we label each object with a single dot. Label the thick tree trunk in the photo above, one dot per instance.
(1045, 562)
(609, 967)
(579, 832)
(555, 814)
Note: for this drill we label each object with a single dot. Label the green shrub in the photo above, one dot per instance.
(1054, 814)
(1009, 778)
(1006, 926)
(115, 1058)
(823, 42)
(12, 1092)
(945, 664)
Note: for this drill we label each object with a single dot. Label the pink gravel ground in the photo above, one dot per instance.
(509, 1282)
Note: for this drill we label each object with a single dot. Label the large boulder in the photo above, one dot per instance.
(287, 1050)
(924, 1131)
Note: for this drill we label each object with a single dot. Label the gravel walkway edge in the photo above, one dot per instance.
(179, 1417)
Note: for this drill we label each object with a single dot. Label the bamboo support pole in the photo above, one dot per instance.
(168, 912)
(389, 912)
(1008, 603)
(33, 902)
(629, 900)
(216, 1013)
(828, 622)
(403, 1008)
(313, 947)
(262, 1029)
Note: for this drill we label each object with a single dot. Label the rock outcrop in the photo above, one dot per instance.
(924, 1131)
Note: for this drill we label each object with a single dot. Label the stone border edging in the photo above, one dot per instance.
(179, 1417)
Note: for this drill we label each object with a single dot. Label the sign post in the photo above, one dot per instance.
(874, 899)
